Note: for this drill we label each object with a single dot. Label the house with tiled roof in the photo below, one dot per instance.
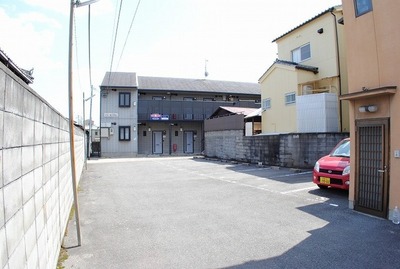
(300, 89)
(163, 116)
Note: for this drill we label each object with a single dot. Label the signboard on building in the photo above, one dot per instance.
(156, 116)
(110, 115)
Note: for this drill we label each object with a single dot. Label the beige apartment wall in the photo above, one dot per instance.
(280, 117)
(373, 60)
(323, 46)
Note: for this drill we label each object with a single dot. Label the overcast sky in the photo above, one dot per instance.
(168, 38)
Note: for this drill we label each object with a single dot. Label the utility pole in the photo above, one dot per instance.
(71, 113)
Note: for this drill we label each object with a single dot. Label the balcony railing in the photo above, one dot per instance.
(183, 110)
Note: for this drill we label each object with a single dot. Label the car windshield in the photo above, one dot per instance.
(342, 150)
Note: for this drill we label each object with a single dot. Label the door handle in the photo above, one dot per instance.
(382, 170)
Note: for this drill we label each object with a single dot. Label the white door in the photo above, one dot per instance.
(188, 140)
(157, 143)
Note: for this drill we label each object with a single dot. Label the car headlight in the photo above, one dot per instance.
(346, 170)
(316, 166)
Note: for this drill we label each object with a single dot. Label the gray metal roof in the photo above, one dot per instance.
(119, 80)
(255, 113)
(232, 110)
(299, 66)
(308, 68)
(197, 85)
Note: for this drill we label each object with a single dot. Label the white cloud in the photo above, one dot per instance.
(60, 6)
(28, 44)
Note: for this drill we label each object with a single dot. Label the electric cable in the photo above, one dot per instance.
(90, 62)
(129, 31)
(115, 41)
(76, 54)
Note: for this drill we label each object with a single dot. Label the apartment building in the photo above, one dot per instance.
(163, 116)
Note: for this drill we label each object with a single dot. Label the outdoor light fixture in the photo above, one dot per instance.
(149, 129)
(368, 108)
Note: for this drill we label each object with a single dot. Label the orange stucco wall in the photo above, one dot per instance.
(373, 60)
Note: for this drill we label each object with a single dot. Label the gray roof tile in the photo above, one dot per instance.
(197, 85)
(119, 80)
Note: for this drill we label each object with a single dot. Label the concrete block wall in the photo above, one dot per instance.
(35, 176)
(295, 150)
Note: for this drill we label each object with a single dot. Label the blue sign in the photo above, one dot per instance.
(157, 116)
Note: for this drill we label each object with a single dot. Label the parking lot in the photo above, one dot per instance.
(189, 212)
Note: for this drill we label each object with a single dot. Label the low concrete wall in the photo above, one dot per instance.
(35, 180)
(296, 150)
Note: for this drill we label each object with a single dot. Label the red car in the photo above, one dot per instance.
(333, 170)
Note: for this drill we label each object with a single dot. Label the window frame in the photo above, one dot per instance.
(357, 6)
(290, 102)
(298, 49)
(266, 103)
(122, 130)
(124, 103)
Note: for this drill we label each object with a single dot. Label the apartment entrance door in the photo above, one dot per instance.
(372, 163)
(157, 142)
(188, 141)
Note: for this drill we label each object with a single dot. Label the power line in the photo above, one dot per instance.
(90, 62)
(115, 41)
(129, 31)
(76, 53)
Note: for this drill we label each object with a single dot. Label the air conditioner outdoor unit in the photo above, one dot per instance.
(307, 89)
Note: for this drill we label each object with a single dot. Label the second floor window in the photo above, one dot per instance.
(301, 54)
(290, 98)
(266, 103)
(124, 99)
(362, 6)
(124, 133)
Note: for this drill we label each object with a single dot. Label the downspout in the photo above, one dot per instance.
(339, 71)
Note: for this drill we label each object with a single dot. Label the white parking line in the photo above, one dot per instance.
(253, 169)
(297, 190)
(293, 174)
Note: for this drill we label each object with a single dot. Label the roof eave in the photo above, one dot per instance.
(329, 10)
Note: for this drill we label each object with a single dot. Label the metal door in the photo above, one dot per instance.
(157, 142)
(372, 172)
(188, 140)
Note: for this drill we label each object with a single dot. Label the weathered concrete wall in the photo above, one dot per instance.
(297, 150)
(35, 177)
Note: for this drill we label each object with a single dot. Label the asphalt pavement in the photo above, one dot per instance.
(185, 212)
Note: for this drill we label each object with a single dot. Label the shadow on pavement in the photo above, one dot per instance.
(348, 240)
